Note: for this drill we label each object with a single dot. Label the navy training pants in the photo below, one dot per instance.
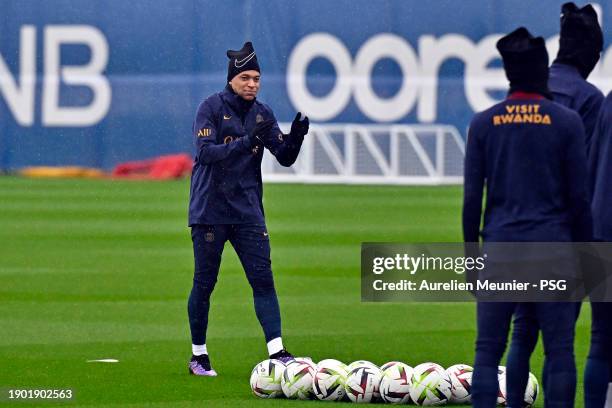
(557, 322)
(597, 372)
(599, 362)
(252, 245)
(525, 333)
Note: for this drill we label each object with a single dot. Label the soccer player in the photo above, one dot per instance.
(580, 46)
(599, 362)
(231, 129)
(534, 169)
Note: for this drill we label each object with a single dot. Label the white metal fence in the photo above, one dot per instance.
(374, 154)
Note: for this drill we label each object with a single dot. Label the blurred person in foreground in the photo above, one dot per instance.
(534, 170)
(231, 130)
(580, 47)
(597, 373)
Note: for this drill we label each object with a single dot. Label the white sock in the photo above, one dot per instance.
(275, 345)
(198, 350)
(609, 397)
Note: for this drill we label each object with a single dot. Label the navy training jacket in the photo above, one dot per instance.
(226, 184)
(530, 155)
(600, 168)
(571, 90)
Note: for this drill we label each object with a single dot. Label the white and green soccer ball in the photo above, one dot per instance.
(461, 383)
(266, 379)
(389, 364)
(329, 380)
(332, 361)
(362, 384)
(360, 363)
(297, 379)
(532, 390)
(396, 384)
(431, 385)
(303, 359)
(501, 379)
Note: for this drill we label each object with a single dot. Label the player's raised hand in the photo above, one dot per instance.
(262, 128)
(260, 131)
(299, 127)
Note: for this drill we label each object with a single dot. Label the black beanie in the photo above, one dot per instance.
(240, 61)
(581, 39)
(525, 61)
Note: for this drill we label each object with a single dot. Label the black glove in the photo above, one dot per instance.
(299, 127)
(260, 132)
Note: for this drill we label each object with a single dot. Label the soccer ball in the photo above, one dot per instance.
(389, 364)
(266, 379)
(461, 383)
(362, 384)
(430, 385)
(501, 379)
(329, 380)
(360, 363)
(332, 361)
(531, 392)
(395, 384)
(297, 378)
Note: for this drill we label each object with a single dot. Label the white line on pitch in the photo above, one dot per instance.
(104, 360)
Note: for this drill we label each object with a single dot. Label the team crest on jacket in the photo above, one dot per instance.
(259, 118)
(209, 237)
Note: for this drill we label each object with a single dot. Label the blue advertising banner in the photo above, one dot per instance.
(97, 83)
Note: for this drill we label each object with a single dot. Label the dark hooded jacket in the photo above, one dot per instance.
(580, 46)
(600, 169)
(226, 183)
(528, 152)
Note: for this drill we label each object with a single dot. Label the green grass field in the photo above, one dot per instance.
(102, 269)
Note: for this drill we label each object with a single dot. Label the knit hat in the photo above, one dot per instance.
(525, 61)
(581, 39)
(240, 61)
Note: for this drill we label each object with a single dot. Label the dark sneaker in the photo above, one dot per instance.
(200, 365)
(284, 356)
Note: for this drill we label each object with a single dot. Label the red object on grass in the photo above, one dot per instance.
(160, 168)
